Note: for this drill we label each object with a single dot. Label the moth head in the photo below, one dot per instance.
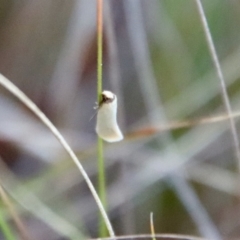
(107, 97)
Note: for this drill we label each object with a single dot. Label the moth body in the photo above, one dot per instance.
(107, 127)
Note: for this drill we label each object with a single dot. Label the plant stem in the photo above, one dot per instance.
(152, 226)
(101, 186)
(99, 47)
(101, 165)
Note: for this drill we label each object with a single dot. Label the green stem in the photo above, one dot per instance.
(101, 165)
(101, 186)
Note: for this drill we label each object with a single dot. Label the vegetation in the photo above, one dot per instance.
(174, 66)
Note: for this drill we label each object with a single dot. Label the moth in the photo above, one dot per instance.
(107, 127)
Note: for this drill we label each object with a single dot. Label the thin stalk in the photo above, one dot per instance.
(99, 47)
(5, 228)
(158, 236)
(152, 226)
(101, 186)
(33, 107)
(218, 68)
(101, 165)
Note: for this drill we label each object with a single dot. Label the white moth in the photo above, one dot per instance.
(107, 127)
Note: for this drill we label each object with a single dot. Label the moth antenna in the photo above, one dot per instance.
(95, 108)
(93, 116)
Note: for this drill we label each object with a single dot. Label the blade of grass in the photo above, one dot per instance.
(101, 165)
(151, 130)
(152, 226)
(158, 236)
(32, 106)
(225, 96)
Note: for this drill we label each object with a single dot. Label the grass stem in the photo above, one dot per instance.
(152, 227)
(101, 165)
(218, 68)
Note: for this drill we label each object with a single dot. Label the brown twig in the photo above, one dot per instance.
(151, 130)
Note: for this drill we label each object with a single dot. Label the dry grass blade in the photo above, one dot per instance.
(27, 102)
(221, 78)
(148, 131)
(158, 236)
(152, 227)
